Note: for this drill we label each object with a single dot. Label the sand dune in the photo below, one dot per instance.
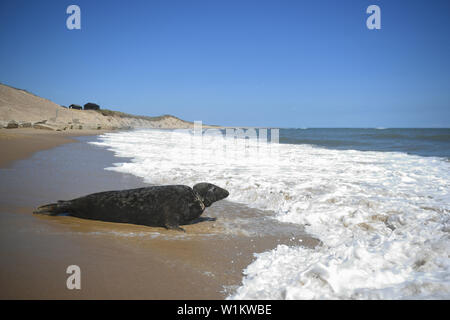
(29, 110)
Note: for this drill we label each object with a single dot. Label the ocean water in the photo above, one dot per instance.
(422, 142)
(378, 199)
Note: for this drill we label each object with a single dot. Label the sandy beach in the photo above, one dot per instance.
(117, 261)
(22, 142)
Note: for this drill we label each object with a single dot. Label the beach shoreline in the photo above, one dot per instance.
(118, 261)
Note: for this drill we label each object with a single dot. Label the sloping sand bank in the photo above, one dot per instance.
(27, 109)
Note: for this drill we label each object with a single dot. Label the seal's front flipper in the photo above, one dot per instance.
(52, 209)
(171, 220)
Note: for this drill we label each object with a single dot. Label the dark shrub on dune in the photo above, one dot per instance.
(91, 106)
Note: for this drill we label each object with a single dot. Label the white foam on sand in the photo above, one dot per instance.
(383, 217)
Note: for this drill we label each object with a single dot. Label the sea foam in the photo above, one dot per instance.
(383, 217)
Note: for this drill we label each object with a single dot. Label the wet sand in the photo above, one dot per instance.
(117, 261)
(20, 143)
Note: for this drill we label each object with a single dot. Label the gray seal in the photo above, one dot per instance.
(157, 206)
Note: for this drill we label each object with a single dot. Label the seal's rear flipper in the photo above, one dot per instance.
(51, 209)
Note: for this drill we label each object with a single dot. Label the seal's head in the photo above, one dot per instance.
(210, 193)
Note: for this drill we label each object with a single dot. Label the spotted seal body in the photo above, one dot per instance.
(158, 206)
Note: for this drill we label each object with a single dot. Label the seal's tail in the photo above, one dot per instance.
(51, 209)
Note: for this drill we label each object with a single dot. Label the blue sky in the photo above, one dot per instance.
(261, 63)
